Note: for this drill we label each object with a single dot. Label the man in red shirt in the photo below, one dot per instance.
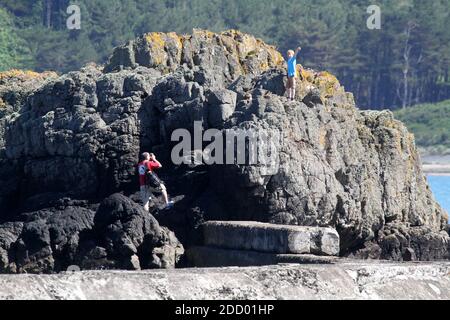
(149, 164)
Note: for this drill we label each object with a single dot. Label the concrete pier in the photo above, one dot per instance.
(342, 280)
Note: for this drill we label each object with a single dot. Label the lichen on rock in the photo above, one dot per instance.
(241, 53)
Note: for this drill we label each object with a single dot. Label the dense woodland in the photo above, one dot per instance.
(404, 63)
(430, 124)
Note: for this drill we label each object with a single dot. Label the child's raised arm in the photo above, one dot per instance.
(297, 51)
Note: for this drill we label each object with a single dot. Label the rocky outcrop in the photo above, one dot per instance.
(117, 235)
(356, 171)
(134, 236)
(79, 135)
(220, 58)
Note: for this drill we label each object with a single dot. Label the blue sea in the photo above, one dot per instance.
(441, 189)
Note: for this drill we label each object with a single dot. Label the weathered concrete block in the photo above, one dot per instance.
(209, 257)
(271, 238)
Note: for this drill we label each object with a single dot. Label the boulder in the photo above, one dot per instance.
(47, 240)
(134, 237)
(119, 235)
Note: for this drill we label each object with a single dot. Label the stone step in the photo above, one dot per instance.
(210, 257)
(271, 238)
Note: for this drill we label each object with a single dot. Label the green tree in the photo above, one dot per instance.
(404, 63)
(13, 52)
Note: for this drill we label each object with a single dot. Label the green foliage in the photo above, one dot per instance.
(13, 51)
(18, 7)
(430, 124)
(333, 34)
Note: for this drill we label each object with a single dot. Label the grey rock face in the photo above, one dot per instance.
(82, 128)
(79, 136)
(221, 106)
(356, 171)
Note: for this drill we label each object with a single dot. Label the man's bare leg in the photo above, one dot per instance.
(166, 197)
(164, 193)
(146, 197)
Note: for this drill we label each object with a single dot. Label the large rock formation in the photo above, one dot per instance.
(79, 135)
(118, 234)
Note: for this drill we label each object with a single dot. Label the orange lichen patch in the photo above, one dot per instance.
(19, 74)
(24, 75)
(327, 83)
(264, 65)
(162, 46)
(177, 39)
(2, 104)
(305, 74)
(156, 44)
(155, 39)
(276, 57)
(229, 44)
(247, 46)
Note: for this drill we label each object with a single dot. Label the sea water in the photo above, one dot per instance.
(440, 185)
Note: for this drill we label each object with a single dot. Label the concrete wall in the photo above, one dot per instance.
(343, 280)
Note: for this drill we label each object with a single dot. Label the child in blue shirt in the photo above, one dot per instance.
(292, 72)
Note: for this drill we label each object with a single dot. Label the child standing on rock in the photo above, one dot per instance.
(292, 72)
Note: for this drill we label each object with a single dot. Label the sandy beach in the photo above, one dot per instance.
(436, 165)
(437, 169)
